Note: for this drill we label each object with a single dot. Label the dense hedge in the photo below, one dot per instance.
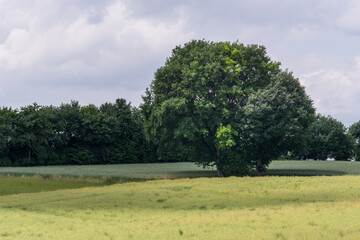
(73, 134)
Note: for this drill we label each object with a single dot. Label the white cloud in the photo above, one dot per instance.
(335, 89)
(78, 39)
(303, 32)
(91, 51)
(80, 49)
(350, 20)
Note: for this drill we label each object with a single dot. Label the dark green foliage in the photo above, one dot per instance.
(276, 117)
(328, 139)
(7, 123)
(32, 139)
(354, 130)
(73, 134)
(203, 106)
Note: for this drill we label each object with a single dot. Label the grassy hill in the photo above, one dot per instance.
(270, 207)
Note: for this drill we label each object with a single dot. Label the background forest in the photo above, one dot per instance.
(73, 134)
(113, 133)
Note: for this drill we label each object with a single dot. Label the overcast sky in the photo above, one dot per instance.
(96, 51)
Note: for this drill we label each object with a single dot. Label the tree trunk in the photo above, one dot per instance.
(258, 167)
(218, 153)
(219, 172)
(28, 145)
(259, 163)
(29, 154)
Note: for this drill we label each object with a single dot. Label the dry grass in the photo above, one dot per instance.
(204, 208)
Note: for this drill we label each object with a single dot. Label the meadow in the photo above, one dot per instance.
(271, 207)
(186, 170)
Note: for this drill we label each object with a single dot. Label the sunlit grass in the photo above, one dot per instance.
(203, 208)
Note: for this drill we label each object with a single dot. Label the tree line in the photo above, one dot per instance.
(114, 133)
(73, 134)
(218, 104)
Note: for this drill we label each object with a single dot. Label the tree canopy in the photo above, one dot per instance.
(73, 134)
(328, 138)
(225, 104)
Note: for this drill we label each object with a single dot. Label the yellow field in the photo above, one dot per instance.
(204, 208)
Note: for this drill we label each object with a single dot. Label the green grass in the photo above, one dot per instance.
(187, 170)
(25, 184)
(202, 208)
(313, 168)
(140, 171)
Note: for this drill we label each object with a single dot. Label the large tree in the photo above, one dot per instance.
(199, 106)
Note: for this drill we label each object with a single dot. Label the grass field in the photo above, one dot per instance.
(187, 170)
(271, 207)
(202, 208)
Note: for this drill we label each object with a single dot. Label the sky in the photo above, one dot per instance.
(92, 51)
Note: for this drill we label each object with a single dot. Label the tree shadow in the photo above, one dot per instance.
(303, 172)
(269, 172)
(191, 174)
